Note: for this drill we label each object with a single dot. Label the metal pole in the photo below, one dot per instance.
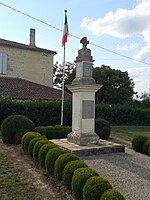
(62, 102)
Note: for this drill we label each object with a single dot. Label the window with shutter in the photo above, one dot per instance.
(3, 63)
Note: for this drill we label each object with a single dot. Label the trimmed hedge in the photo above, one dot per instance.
(32, 143)
(51, 157)
(69, 170)
(61, 162)
(57, 132)
(41, 112)
(43, 151)
(27, 137)
(149, 150)
(102, 128)
(112, 194)
(37, 147)
(79, 179)
(95, 187)
(18, 136)
(146, 146)
(40, 129)
(137, 143)
(12, 124)
(44, 113)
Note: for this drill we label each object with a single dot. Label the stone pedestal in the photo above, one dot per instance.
(83, 90)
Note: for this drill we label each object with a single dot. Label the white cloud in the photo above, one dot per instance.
(143, 54)
(127, 47)
(140, 77)
(124, 47)
(123, 24)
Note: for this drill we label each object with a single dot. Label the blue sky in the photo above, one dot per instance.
(122, 26)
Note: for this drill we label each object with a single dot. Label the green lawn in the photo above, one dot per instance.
(128, 132)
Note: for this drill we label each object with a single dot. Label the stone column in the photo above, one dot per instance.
(83, 90)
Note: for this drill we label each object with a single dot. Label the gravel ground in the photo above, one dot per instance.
(128, 172)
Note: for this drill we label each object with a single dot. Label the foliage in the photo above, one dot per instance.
(18, 136)
(149, 150)
(51, 157)
(112, 194)
(102, 128)
(123, 114)
(40, 129)
(41, 112)
(57, 132)
(137, 143)
(61, 162)
(47, 113)
(116, 88)
(58, 73)
(27, 137)
(32, 143)
(79, 179)
(146, 146)
(12, 124)
(43, 151)
(37, 147)
(94, 188)
(69, 170)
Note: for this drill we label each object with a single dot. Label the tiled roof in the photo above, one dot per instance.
(21, 89)
(24, 46)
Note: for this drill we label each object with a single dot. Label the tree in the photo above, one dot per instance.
(116, 88)
(58, 74)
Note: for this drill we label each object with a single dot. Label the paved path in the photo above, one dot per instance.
(128, 172)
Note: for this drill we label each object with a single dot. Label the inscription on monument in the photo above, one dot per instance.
(87, 69)
(87, 109)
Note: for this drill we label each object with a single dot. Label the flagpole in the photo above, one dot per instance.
(62, 102)
(64, 40)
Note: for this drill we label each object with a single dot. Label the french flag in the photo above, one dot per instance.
(65, 32)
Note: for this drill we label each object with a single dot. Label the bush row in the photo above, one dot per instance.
(44, 113)
(84, 182)
(53, 132)
(15, 126)
(141, 144)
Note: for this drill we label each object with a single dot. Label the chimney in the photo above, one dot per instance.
(32, 37)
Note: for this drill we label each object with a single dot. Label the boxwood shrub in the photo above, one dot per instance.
(137, 143)
(79, 179)
(69, 170)
(18, 136)
(61, 162)
(57, 132)
(94, 188)
(40, 129)
(102, 128)
(32, 143)
(149, 150)
(12, 124)
(112, 194)
(27, 137)
(145, 146)
(43, 151)
(37, 147)
(51, 157)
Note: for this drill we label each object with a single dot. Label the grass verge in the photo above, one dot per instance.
(11, 185)
(128, 132)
